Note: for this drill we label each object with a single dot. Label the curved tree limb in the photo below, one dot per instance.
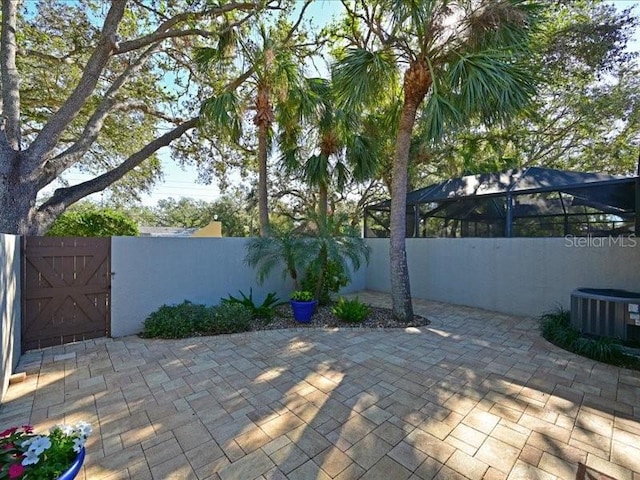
(52, 168)
(164, 29)
(46, 141)
(63, 197)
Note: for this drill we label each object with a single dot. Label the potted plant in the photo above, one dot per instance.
(58, 455)
(303, 305)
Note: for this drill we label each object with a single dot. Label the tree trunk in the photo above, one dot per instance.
(264, 118)
(322, 270)
(323, 203)
(263, 205)
(18, 214)
(416, 84)
(400, 286)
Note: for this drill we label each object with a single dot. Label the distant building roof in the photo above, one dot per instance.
(166, 232)
(529, 180)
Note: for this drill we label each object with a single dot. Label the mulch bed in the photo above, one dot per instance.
(324, 318)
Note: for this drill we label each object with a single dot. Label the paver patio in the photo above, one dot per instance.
(475, 394)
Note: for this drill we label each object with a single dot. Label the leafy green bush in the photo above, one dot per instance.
(334, 278)
(178, 321)
(188, 320)
(230, 318)
(93, 222)
(266, 310)
(302, 296)
(352, 311)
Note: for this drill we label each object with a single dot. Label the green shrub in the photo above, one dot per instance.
(93, 222)
(302, 296)
(178, 321)
(556, 327)
(352, 311)
(230, 318)
(602, 349)
(333, 280)
(266, 310)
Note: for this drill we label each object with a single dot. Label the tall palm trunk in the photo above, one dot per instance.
(263, 206)
(417, 81)
(323, 202)
(264, 119)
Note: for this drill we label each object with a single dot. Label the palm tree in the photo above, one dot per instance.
(340, 149)
(286, 251)
(274, 70)
(299, 252)
(331, 242)
(459, 60)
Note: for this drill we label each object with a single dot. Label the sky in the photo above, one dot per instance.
(183, 181)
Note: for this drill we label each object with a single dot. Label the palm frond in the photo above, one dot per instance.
(361, 75)
(502, 24)
(362, 156)
(316, 169)
(439, 114)
(205, 57)
(417, 13)
(224, 112)
(341, 175)
(488, 84)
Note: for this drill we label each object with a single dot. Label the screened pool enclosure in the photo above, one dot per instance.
(533, 202)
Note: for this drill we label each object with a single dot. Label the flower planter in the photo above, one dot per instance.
(75, 467)
(303, 311)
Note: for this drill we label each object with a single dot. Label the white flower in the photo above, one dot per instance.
(30, 458)
(39, 444)
(84, 429)
(27, 442)
(66, 429)
(78, 444)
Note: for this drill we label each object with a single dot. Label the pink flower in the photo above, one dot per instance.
(16, 470)
(9, 431)
(27, 428)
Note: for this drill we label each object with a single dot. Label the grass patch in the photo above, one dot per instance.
(556, 328)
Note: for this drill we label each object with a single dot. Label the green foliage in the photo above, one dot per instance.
(286, 250)
(302, 296)
(334, 279)
(587, 82)
(602, 349)
(556, 328)
(324, 250)
(351, 311)
(266, 310)
(93, 222)
(230, 318)
(179, 321)
(188, 319)
(233, 211)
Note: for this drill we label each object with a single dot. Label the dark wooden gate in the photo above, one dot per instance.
(66, 286)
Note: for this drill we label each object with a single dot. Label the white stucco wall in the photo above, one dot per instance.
(523, 276)
(9, 308)
(150, 272)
